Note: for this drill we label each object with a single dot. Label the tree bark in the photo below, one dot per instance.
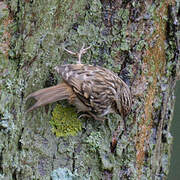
(136, 39)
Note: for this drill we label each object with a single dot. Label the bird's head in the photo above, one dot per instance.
(123, 101)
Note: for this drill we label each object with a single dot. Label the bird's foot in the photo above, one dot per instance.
(91, 115)
(79, 54)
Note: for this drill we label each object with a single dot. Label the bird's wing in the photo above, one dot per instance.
(94, 85)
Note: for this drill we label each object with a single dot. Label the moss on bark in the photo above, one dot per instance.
(131, 38)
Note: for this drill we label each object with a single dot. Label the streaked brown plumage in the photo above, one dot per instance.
(92, 89)
(95, 89)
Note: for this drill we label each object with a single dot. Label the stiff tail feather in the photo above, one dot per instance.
(49, 95)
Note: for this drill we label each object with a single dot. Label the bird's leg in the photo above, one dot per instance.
(82, 51)
(91, 115)
(95, 117)
(84, 115)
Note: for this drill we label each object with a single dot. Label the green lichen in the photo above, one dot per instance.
(94, 141)
(64, 174)
(65, 121)
(141, 44)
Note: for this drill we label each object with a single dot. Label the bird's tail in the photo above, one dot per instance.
(52, 94)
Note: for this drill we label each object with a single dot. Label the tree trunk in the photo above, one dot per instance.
(136, 39)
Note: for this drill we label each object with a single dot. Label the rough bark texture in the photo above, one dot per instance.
(136, 39)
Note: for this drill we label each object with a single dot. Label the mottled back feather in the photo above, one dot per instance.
(92, 84)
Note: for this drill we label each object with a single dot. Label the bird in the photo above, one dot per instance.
(95, 90)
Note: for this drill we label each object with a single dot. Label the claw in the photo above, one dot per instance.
(84, 115)
(91, 115)
(95, 117)
(70, 52)
(82, 51)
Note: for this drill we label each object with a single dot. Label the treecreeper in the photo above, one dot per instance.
(92, 89)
